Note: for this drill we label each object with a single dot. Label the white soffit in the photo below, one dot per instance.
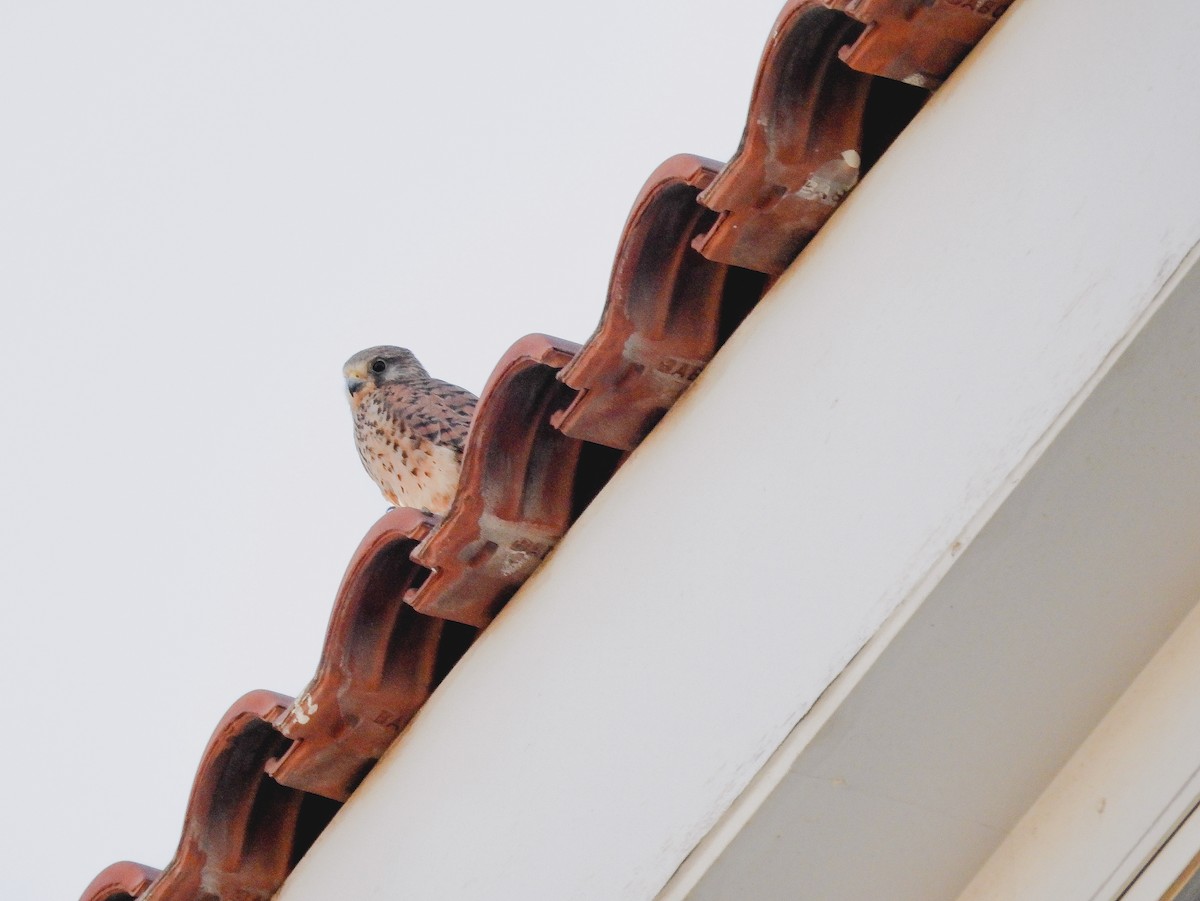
(816, 483)
(1123, 792)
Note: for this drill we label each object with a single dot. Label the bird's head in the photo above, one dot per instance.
(375, 366)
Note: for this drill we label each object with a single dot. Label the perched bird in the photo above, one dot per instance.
(409, 428)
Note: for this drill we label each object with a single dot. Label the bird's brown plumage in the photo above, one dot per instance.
(410, 429)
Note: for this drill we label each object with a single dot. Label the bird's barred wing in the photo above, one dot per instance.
(435, 410)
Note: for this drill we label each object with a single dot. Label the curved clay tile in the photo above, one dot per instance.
(243, 831)
(818, 116)
(381, 661)
(918, 42)
(122, 881)
(801, 150)
(668, 309)
(523, 483)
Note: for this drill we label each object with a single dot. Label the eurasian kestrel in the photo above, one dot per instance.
(409, 428)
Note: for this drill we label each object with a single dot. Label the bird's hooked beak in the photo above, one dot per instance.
(356, 377)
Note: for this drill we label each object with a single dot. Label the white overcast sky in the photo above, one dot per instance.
(204, 209)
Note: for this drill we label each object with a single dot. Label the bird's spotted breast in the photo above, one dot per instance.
(410, 437)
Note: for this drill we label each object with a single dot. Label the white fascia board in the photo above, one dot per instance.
(813, 487)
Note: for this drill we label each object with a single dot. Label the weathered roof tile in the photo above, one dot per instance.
(667, 311)
(521, 487)
(243, 831)
(380, 662)
(121, 881)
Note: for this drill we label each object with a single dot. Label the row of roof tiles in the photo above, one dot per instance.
(837, 82)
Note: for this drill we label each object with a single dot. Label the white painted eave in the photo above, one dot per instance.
(949, 724)
(911, 420)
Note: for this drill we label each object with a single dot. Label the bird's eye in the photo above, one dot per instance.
(378, 366)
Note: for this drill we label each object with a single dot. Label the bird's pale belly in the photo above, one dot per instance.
(410, 472)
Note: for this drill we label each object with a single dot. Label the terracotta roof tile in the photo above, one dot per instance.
(801, 150)
(668, 309)
(381, 660)
(553, 424)
(243, 831)
(523, 483)
(915, 41)
(122, 881)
